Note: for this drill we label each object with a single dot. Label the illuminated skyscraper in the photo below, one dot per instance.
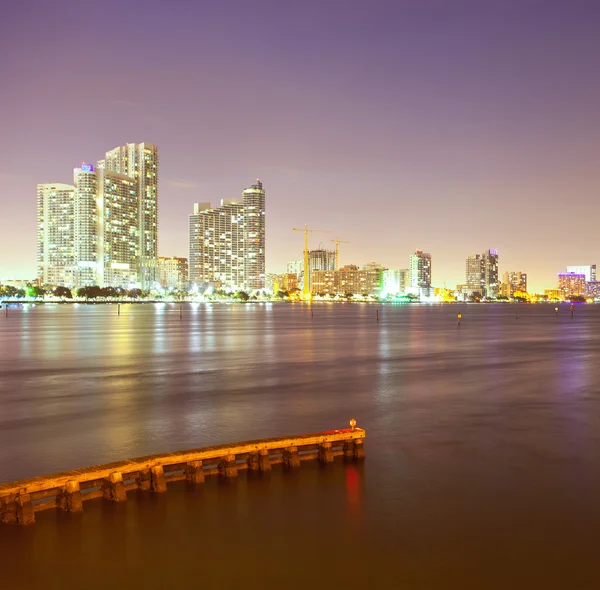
(490, 273)
(420, 273)
(216, 245)
(55, 234)
(140, 162)
(88, 270)
(106, 228)
(474, 273)
(254, 236)
(227, 243)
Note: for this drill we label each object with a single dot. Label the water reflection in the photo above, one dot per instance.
(480, 451)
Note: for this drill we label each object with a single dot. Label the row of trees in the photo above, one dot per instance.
(94, 292)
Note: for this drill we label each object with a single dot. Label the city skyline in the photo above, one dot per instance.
(453, 139)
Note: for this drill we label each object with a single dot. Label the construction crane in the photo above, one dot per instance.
(305, 289)
(337, 251)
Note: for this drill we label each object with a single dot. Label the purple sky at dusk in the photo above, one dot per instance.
(450, 126)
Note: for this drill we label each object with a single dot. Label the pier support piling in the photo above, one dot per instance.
(291, 459)
(194, 473)
(359, 449)
(228, 467)
(158, 483)
(144, 479)
(8, 510)
(252, 462)
(349, 450)
(69, 498)
(264, 463)
(25, 514)
(113, 488)
(325, 453)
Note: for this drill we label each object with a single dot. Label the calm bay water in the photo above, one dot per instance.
(483, 444)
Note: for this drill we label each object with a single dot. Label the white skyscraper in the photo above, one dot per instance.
(227, 243)
(254, 236)
(216, 241)
(55, 234)
(140, 161)
(420, 273)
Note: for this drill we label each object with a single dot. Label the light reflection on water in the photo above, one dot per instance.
(482, 461)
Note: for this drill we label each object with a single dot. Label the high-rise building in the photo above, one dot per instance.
(88, 262)
(482, 275)
(55, 234)
(254, 236)
(571, 284)
(216, 255)
(474, 273)
(106, 228)
(589, 271)
(420, 273)
(514, 281)
(227, 243)
(140, 162)
(173, 272)
(490, 273)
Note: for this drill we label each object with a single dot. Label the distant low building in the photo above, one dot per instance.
(516, 281)
(554, 294)
(588, 270)
(571, 284)
(349, 280)
(289, 282)
(391, 282)
(404, 280)
(592, 289)
(173, 272)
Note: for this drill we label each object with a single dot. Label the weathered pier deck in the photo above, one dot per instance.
(20, 500)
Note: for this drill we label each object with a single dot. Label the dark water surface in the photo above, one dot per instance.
(483, 444)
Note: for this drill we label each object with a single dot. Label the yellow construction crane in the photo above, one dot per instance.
(305, 289)
(337, 251)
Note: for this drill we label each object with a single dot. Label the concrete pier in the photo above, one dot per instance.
(19, 501)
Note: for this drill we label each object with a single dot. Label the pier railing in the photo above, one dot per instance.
(20, 500)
